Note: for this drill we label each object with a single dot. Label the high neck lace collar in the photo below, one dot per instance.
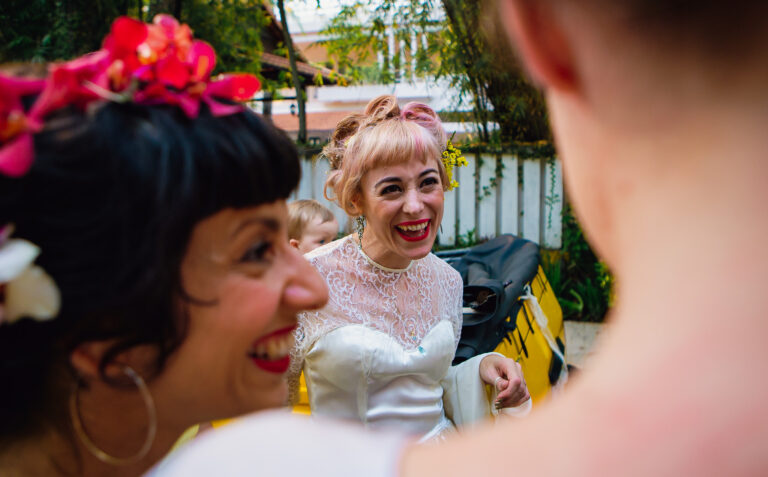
(379, 266)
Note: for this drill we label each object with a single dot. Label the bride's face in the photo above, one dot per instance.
(403, 207)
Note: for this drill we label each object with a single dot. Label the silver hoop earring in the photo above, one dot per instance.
(360, 226)
(74, 411)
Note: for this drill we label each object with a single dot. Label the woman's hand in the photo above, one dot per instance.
(507, 377)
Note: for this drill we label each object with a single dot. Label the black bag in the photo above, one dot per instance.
(494, 274)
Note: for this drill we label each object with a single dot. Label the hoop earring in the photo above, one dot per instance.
(360, 226)
(74, 411)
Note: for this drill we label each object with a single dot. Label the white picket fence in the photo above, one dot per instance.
(526, 200)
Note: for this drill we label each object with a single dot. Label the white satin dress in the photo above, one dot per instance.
(380, 351)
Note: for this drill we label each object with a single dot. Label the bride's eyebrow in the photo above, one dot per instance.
(388, 179)
(397, 179)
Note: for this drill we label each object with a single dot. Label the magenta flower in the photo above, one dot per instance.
(16, 127)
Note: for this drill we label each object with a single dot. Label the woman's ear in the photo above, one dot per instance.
(536, 33)
(356, 205)
(87, 357)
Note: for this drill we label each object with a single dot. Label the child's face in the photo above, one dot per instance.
(318, 233)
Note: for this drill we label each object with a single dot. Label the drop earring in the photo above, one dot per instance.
(360, 226)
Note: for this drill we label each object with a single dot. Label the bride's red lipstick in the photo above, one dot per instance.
(409, 238)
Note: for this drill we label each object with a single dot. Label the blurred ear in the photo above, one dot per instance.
(294, 243)
(86, 359)
(541, 42)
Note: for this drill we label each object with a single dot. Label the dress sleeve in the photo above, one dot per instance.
(465, 397)
(456, 304)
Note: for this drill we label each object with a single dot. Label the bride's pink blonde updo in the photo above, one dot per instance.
(383, 135)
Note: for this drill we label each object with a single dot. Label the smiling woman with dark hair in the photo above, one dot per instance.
(157, 207)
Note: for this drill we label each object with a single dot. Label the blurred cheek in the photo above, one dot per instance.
(246, 303)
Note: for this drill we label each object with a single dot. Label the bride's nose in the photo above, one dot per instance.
(414, 203)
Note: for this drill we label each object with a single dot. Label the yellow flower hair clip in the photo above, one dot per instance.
(452, 157)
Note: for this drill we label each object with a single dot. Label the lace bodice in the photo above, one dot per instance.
(404, 304)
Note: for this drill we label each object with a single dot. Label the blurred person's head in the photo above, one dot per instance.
(642, 89)
(310, 225)
(165, 236)
(386, 167)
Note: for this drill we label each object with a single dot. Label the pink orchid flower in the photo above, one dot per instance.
(16, 127)
(238, 87)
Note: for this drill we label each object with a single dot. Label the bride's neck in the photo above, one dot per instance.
(380, 254)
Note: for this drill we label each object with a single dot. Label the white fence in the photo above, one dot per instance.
(497, 194)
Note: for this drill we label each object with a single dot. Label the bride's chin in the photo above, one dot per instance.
(420, 252)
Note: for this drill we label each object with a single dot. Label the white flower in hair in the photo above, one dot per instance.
(27, 291)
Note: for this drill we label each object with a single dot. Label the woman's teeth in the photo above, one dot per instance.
(413, 228)
(274, 348)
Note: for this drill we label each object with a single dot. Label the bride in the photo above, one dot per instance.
(380, 352)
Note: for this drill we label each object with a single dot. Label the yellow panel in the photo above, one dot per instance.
(222, 422)
(302, 407)
(536, 362)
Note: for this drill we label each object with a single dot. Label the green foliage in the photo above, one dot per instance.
(582, 283)
(232, 27)
(48, 30)
(469, 239)
(482, 68)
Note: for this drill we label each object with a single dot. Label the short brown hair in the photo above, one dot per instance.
(301, 213)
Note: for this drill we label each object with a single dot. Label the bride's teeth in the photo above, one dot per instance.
(413, 228)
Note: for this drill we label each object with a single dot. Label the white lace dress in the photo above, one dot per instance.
(380, 351)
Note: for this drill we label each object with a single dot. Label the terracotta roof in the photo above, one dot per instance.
(305, 69)
(318, 124)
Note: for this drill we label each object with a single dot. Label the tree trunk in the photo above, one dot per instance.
(495, 78)
(297, 81)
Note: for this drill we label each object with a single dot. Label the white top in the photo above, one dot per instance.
(380, 351)
(278, 443)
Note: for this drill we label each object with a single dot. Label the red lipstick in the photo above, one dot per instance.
(281, 331)
(277, 366)
(409, 238)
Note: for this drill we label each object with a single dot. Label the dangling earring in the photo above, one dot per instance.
(360, 226)
(74, 411)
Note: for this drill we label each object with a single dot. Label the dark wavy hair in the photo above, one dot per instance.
(111, 200)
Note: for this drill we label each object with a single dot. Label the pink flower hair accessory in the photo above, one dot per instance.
(157, 63)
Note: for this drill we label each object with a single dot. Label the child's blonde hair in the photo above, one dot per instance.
(302, 212)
